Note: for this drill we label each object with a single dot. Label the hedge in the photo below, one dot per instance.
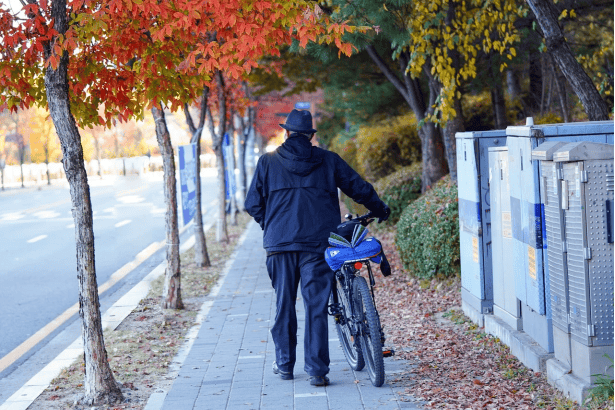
(428, 232)
(400, 188)
(386, 146)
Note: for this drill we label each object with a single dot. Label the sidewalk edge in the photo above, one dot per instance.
(27, 394)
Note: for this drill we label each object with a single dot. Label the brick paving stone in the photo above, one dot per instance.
(229, 364)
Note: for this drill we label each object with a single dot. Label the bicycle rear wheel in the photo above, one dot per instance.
(350, 345)
(371, 342)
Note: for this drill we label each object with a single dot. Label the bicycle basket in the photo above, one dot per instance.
(369, 248)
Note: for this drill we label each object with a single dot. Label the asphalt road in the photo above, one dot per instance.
(38, 279)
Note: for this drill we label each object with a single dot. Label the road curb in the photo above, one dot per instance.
(111, 319)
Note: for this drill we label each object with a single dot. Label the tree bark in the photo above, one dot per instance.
(584, 88)
(452, 127)
(233, 200)
(201, 256)
(246, 125)
(221, 229)
(535, 75)
(497, 101)
(432, 147)
(171, 294)
(561, 93)
(100, 385)
(432, 151)
(241, 162)
(513, 85)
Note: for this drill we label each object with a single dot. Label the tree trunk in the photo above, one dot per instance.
(171, 294)
(584, 88)
(221, 229)
(249, 161)
(550, 92)
(97, 148)
(452, 127)
(513, 85)
(561, 93)
(456, 123)
(241, 164)
(436, 162)
(100, 385)
(231, 164)
(246, 125)
(499, 104)
(432, 150)
(21, 160)
(201, 257)
(535, 75)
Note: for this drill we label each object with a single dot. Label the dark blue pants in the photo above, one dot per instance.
(287, 270)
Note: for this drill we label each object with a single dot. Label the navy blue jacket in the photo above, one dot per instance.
(293, 195)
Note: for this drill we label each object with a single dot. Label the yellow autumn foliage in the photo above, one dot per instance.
(437, 34)
(387, 145)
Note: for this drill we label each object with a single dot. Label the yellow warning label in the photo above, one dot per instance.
(475, 249)
(506, 225)
(531, 258)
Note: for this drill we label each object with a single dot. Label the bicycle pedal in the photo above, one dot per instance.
(388, 352)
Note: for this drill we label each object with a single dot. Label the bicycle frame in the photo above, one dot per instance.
(346, 275)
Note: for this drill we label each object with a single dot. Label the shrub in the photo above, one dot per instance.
(345, 148)
(400, 188)
(386, 146)
(478, 112)
(548, 118)
(428, 232)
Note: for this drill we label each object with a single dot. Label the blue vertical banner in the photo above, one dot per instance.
(187, 178)
(229, 166)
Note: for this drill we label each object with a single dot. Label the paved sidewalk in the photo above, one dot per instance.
(229, 363)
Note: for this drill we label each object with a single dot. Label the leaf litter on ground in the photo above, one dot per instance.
(452, 363)
(140, 350)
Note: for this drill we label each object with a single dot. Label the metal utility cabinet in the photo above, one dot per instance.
(587, 204)
(532, 286)
(551, 196)
(506, 306)
(475, 220)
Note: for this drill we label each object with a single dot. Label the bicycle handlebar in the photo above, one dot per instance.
(363, 219)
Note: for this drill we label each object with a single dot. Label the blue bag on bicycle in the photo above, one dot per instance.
(358, 248)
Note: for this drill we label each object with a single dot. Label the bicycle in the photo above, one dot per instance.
(352, 302)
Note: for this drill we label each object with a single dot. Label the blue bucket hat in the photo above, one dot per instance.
(299, 121)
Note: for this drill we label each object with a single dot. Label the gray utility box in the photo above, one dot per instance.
(527, 217)
(475, 220)
(587, 205)
(551, 197)
(506, 306)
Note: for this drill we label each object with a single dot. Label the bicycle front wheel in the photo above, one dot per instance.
(371, 342)
(350, 345)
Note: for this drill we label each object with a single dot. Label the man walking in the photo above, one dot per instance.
(293, 197)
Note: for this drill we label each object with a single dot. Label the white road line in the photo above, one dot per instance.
(38, 238)
(124, 222)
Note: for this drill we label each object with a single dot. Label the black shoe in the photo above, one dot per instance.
(283, 375)
(319, 381)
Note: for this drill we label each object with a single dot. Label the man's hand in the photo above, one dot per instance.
(383, 214)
